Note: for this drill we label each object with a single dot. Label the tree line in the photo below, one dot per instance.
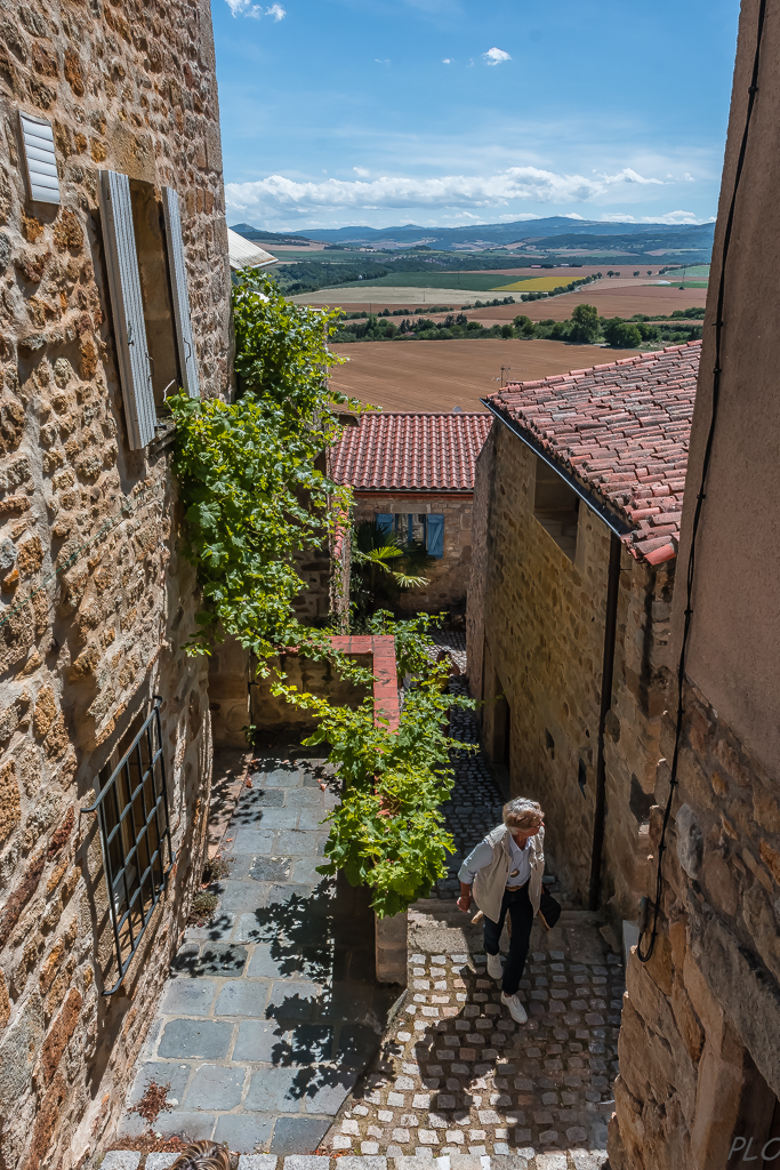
(584, 327)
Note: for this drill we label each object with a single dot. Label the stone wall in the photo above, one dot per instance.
(698, 1039)
(536, 622)
(95, 600)
(448, 576)
(282, 719)
(699, 1060)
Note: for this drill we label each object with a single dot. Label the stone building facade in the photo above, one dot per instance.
(96, 602)
(569, 606)
(699, 1082)
(413, 474)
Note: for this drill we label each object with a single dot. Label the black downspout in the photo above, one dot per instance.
(607, 673)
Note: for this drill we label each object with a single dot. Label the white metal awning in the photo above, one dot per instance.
(245, 254)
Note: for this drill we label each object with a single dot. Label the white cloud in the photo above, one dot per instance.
(361, 172)
(277, 195)
(496, 56)
(256, 11)
(381, 60)
(446, 61)
(668, 217)
(629, 175)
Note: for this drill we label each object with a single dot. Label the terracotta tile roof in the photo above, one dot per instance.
(390, 451)
(621, 432)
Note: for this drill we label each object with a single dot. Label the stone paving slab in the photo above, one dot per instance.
(262, 1001)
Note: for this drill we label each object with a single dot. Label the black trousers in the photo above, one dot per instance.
(518, 905)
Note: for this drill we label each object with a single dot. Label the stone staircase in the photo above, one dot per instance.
(521, 1160)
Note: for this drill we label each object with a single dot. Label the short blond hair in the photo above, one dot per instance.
(520, 813)
(205, 1156)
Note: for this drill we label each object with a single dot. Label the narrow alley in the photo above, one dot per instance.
(272, 1035)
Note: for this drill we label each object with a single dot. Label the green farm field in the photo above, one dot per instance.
(694, 272)
(428, 278)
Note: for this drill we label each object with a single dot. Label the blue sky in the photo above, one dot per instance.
(449, 112)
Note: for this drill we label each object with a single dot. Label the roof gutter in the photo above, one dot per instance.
(617, 526)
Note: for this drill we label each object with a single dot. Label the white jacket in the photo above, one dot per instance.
(490, 881)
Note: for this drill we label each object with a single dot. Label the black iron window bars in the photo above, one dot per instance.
(132, 811)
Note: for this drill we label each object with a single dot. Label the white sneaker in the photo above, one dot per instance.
(516, 1009)
(495, 967)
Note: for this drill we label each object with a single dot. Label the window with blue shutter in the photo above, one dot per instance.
(127, 310)
(434, 535)
(181, 297)
(385, 522)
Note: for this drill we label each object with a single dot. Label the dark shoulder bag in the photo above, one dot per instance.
(549, 909)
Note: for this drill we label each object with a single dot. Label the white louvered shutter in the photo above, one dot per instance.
(116, 216)
(181, 296)
(43, 185)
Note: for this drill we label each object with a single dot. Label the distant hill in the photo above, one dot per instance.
(259, 236)
(554, 234)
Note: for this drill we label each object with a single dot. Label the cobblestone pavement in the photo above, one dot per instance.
(456, 1075)
(572, 1160)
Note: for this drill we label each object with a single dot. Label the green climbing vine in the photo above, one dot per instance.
(256, 498)
(255, 495)
(388, 832)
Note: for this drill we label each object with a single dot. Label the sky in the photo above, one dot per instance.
(455, 112)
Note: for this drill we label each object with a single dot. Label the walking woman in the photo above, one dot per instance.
(503, 874)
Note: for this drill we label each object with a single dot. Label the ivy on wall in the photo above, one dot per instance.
(252, 472)
(256, 495)
(389, 832)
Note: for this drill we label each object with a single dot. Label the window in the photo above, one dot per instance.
(149, 299)
(426, 528)
(134, 824)
(556, 507)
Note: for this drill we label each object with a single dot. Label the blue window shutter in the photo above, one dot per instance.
(385, 522)
(434, 544)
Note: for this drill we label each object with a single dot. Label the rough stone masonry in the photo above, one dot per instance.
(95, 600)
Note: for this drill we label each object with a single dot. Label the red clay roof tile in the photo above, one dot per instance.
(391, 451)
(620, 430)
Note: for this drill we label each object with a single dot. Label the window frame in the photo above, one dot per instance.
(133, 855)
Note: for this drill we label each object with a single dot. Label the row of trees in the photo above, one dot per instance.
(584, 327)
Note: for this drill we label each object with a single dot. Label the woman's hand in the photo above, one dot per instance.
(464, 903)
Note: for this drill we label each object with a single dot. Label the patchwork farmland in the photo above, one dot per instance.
(612, 299)
(440, 375)
(617, 297)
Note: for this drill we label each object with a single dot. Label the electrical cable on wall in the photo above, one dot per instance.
(645, 955)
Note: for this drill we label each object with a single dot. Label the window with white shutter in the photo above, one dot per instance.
(116, 216)
(181, 298)
(43, 184)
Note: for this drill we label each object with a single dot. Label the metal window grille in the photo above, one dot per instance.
(133, 817)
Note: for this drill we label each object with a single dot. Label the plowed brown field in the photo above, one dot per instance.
(438, 375)
(612, 298)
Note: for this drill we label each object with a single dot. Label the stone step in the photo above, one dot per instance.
(527, 1159)
(446, 911)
